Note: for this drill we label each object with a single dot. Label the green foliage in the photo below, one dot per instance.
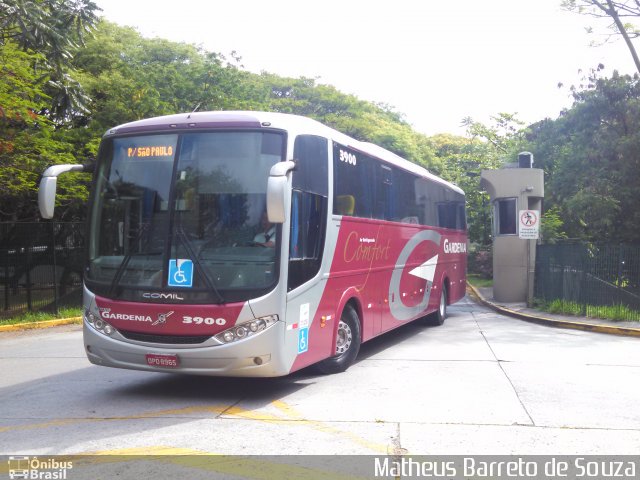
(461, 162)
(504, 134)
(34, 317)
(54, 29)
(608, 312)
(591, 159)
(478, 280)
(552, 226)
(480, 263)
(589, 155)
(26, 137)
(38, 93)
(21, 91)
(130, 77)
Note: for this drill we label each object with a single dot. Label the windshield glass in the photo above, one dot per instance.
(185, 212)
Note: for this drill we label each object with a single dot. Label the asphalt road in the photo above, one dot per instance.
(480, 384)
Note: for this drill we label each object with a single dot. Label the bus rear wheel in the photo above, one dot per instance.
(437, 318)
(348, 340)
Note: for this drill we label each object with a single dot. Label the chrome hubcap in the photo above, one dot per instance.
(345, 337)
(443, 305)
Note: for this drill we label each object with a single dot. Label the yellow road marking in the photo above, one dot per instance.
(18, 327)
(323, 427)
(153, 450)
(289, 415)
(52, 423)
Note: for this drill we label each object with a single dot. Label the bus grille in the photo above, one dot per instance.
(168, 339)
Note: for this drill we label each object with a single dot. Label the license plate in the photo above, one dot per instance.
(163, 361)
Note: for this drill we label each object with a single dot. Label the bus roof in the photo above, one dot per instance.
(250, 119)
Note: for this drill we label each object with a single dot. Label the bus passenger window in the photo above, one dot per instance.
(384, 195)
(345, 204)
(352, 172)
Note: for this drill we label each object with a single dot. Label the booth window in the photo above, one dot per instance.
(505, 216)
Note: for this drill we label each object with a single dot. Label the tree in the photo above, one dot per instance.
(129, 77)
(463, 159)
(504, 134)
(27, 142)
(54, 29)
(616, 12)
(592, 162)
(38, 92)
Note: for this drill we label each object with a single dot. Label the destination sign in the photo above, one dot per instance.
(155, 151)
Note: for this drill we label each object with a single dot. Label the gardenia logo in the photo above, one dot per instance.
(38, 469)
(107, 315)
(454, 247)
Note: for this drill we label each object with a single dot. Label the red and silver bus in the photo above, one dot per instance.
(257, 244)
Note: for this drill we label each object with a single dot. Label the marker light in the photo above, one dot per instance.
(246, 329)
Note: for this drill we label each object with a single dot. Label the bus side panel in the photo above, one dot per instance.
(456, 268)
(413, 267)
(336, 288)
(391, 273)
(309, 335)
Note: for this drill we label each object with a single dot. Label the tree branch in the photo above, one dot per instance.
(623, 31)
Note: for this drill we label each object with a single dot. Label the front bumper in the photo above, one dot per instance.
(257, 356)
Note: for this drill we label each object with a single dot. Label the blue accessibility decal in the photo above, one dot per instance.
(303, 340)
(180, 273)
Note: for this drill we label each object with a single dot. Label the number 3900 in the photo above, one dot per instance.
(206, 321)
(347, 157)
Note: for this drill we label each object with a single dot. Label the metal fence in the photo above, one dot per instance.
(595, 281)
(40, 266)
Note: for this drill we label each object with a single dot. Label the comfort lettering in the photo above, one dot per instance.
(359, 249)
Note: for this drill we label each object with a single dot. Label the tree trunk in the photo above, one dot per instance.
(611, 11)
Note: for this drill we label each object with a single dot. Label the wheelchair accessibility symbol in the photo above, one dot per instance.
(180, 273)
(303, 340)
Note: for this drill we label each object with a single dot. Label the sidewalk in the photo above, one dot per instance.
(484, 295)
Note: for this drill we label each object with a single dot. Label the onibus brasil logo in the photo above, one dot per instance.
(38, 468)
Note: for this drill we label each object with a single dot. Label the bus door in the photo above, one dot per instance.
(306, 242)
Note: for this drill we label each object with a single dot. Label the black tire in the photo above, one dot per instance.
(438, 317)
(348, 341)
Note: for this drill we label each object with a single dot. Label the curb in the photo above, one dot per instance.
(589, 327)
(18, 327)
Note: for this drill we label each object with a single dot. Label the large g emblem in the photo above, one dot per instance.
(398, 309)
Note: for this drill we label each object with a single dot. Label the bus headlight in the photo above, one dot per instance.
(246, 329)
(98, 324)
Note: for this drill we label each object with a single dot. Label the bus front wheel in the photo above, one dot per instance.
(348, 340)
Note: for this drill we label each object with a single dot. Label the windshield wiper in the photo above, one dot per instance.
(196, 260)
(125, 261)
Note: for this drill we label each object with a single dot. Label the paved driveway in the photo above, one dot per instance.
(480, 384)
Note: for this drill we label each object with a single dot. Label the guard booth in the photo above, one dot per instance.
(516, 193)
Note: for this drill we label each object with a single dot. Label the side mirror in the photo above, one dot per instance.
(278, 191)
(48, 186)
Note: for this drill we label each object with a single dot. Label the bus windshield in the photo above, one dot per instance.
(184, 211)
